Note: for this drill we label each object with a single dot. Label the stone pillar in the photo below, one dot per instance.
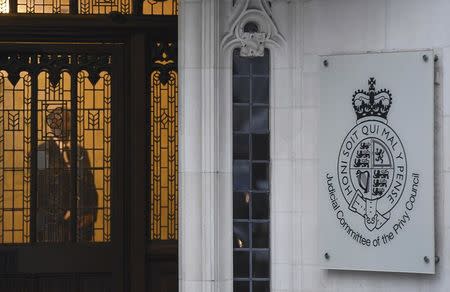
(197, 43)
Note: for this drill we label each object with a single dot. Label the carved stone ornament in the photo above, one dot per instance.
(253, 44)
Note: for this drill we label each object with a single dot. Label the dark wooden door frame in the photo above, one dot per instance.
(134, 34)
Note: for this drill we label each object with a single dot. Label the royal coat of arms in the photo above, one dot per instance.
(372, 167)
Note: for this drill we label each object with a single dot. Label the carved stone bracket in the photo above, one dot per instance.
(253, 44)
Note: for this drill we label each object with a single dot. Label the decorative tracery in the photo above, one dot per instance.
(163, 136)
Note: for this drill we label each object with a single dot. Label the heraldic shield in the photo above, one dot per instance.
(372, 162)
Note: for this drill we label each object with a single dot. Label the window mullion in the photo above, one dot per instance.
(73, 4)
(13, 6)
(34, 161)
(74, 156)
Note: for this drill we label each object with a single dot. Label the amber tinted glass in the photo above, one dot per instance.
(43, 6)
(55, 149)
(94, 137)
(53, 159)
(149, 7)
(163, 136)
(4, 6)
(15, 149)
(160, 7)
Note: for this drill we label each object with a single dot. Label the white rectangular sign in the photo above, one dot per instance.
(376, 174)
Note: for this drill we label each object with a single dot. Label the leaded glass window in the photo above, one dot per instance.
(157, 7)
(143, 7)
(251, 165)
(78, 172)
(104, 6)
(163, 137)
(43, 6)
(55, 148)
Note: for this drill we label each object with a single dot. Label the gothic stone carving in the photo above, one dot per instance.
(253, 44)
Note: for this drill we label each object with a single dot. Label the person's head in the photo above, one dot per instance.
(58, 120)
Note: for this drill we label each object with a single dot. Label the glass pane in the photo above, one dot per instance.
(261, 264)
(241, 235)
(241, 66)
(241, 205)
(162, 134)
(43, 6)
(241, 264)
(94, 157)
(260, 90)
(260, 206)
(241, 89)
(104, 6)
(15, 157)
(69, 114)
(241, 146)
(260, 176)
(260, 235)
(241, 118)
(160, 7)
(260, 119)
(54, 162)
(261, 286)
(241, 175)
(260, 147)
(241, 286)
(261, 65)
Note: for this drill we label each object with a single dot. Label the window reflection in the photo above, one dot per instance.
(241, 202)
(241, 234)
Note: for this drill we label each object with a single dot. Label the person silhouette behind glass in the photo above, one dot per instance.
(55, 184)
